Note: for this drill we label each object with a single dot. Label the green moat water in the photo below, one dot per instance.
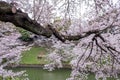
(58, 74)
(41, 74)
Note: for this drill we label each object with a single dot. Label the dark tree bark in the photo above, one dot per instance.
(21, 19)
(5, 8)
(9, 13)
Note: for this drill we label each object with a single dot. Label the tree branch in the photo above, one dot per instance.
(21, 19)
(9, 13)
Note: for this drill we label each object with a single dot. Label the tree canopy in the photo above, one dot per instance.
(85, 33)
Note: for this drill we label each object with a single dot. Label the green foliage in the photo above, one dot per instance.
(25, 35)
(4, 60)
(0, 77)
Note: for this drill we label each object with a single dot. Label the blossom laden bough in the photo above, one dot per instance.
(94, 49)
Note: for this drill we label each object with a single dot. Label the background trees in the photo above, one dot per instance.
(89, 35)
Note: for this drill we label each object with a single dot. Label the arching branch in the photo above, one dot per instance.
(9, 13)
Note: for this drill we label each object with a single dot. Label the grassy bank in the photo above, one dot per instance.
(31, 56)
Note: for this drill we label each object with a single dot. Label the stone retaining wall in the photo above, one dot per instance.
(36, 66)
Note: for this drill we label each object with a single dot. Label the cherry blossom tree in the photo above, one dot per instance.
(88, 38)
(10, 51)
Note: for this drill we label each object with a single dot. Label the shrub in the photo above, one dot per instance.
(25, 35)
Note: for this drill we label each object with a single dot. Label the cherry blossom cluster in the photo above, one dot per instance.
(10, 50)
